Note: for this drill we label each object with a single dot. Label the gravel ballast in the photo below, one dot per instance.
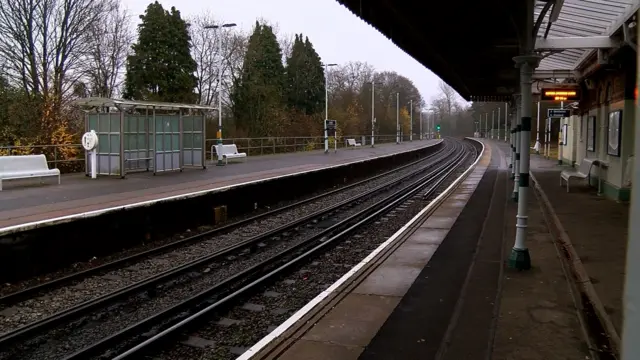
(231, 332)
(102, 323)
(65, 297)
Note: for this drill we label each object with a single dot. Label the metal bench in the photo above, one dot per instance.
(583, 172)
(25, 166)
(352, 142)
(231, 152)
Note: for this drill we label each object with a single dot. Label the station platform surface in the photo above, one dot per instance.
(596, 228)
(445, 292)
(23, 202)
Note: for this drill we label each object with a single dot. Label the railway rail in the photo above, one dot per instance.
(230, 309)
(168, 301)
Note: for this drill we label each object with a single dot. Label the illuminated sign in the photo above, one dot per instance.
(560, 95)
(558, 113)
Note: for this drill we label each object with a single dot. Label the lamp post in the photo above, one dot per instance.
(326, 105)
(420, 124)
(493, 118)
(219, 133)
(486, 125)
(411, 121)
(373, 113)
(397, 118)
(506, 115)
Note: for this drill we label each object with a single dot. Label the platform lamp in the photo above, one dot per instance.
(326, 105)
(219, 134)
(411, 121)
(373, 113)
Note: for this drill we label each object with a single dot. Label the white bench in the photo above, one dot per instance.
(583, 172)
(231, 152)
(352, 142)
(25, 166)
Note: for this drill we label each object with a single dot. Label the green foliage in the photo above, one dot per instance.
(19, 115)
(305, 78)
(161, 67)
(258, 93)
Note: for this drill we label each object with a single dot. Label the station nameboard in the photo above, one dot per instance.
(558, 113)
(560, 94)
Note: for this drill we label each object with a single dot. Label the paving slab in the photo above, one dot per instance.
(597, 228)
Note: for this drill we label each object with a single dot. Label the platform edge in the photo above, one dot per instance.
(298, 315)
(8, 230)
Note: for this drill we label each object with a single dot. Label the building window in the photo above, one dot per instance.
(591, 134)
(613, 126)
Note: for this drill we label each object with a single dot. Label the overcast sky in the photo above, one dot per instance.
(337, 35)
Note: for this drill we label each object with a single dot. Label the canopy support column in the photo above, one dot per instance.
(520, 258)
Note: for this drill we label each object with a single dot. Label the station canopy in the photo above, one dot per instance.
(471, 44)
(573, 30)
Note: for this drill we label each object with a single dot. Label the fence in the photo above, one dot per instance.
(281, 145)
(252, 146)
(54, 153)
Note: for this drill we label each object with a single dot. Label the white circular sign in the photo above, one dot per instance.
(90, 140)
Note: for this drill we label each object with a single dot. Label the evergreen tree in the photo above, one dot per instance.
(316, 79)
(295, 75)
(305, 90)
(161, 67)
(257, 95)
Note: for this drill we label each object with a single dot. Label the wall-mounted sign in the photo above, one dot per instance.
(558, 113)
(560, 94)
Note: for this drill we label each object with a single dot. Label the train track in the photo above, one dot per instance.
(87, 320)
(9, 299)
(100, 280)
(297, 263)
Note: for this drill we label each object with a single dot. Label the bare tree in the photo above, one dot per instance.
(206, 53)
(110, 41)
(286, 44)
(45, 41)
(237, 48)
(448, 97)
(350, 77)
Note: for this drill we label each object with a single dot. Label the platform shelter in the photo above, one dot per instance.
(145, 136)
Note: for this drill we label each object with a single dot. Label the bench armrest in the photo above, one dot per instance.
(602, 164)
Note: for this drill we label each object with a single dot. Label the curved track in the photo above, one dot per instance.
(175, 298)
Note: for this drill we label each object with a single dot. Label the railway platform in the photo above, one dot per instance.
(593, 230)
(23, 206)
(442, 289)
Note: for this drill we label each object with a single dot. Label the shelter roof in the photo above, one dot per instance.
(121, 103)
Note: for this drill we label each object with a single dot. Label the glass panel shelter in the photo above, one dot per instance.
(145, 136)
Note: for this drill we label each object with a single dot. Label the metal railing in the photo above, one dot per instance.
(252, 146)
(282, 145)
(54, 153)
